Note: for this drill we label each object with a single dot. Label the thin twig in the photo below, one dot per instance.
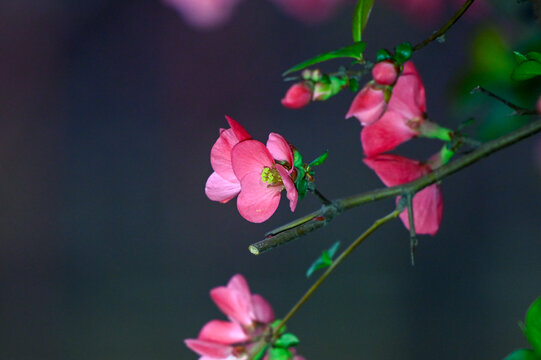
(445, 27)
(322, 217)
(377, 224)
(413, 234)
(517, 110)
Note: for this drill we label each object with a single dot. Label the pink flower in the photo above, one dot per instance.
(261, 178)
(368, 105)
(384, 72)
(404, 118)
(249, 315)
(427, 204)
(204, 13)
(298, 95)
(223, 185)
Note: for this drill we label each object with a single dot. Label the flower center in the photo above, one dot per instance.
(271, 176)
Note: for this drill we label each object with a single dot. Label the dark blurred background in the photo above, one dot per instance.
(109, 246)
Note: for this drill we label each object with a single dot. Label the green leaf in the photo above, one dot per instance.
(279, 354)
(277, 322)
(352, 51)
(297, 159)
(522, 354)
(533, 55)
(261, 353)
(286, 341)
(403, 52)
(526, 70)
(360, 18)
(353, 85)
(533, 325)
(320, 159)
(382, 55)
(325, 260)
(519, 58)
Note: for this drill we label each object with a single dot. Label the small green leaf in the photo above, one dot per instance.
(261, 353)
(277, 322)
(297, 159)
(302, 187)
(352, 51)
(325, 260)
(279, 354)
(286, 341)
(320, 159)
(533, 55)
(403, 52)
(519, 58)
(522, 354)
(382, 55)
(353, 85)
(360, 18)
(526, 70)
(533, 325)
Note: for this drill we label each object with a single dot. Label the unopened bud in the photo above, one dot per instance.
(384, 73)
(298, 95)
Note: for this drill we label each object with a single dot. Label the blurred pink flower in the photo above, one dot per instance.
(261, 178)
(404, 117)
(204, 13)
(309, 11)
(427, 204)
(249, 316)
(222, 185)
(298, 95)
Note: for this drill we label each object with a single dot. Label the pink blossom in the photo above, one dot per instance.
(261, 178)
(384, 72)
(298, 95)
(204, 13)
(309, 11)
(427, 204)
(223, 185)
(404, 117)
(368, 105)
(249, 316)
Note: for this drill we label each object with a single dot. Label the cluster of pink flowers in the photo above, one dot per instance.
(392, 109)
(250, 316)
(256, 172)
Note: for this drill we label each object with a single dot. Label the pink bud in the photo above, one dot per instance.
(298, 95)
(368, 105)
(384, 73)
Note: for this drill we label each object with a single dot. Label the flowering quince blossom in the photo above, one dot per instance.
(204, 13)
(262, 179)
(404, 118)
(223, 185)
(427, 204)
(298, 95)
(249, 315)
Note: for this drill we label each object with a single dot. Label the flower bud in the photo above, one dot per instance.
(325, 89)
(298, 95)
(368, 105)
(384, 73)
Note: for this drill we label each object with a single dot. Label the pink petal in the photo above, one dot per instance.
(220, 155)
(257, 201)
(396, 170)
(234, 304)
(368, 105)
(385, 134)
(239, 131)
(427, 210)
(297, 96)
(262, 309)
(219, 189)
(279, 148)
(250, 156)
(239, 284)
(223, 332)
(408, 97)
(292, 193)
(208, 348)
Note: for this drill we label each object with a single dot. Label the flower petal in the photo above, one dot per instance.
(234, 304)
(396, 170)
(250, 156)
(208, 348)
(427, 210)
(262, 309)
(257, 201)
(239, 284)
(219, 189)
(368, 105)
(408, 98)
(238, 130)
(292, 193)
(220, 155)
(385, 134)
(223, 332)
(279, 148)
